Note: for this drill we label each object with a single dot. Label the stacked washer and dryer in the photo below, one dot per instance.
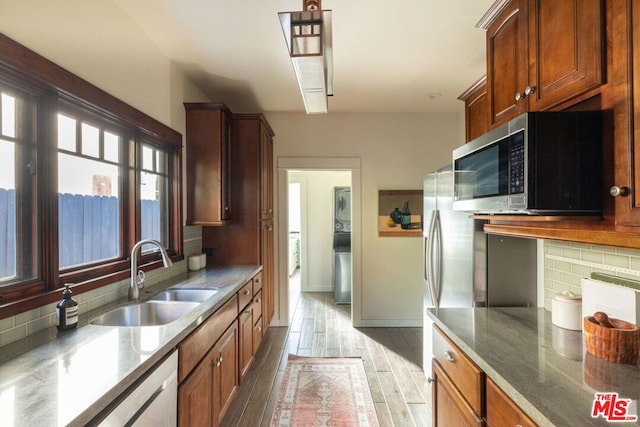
(342, 245)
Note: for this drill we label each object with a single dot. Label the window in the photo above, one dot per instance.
(18, 226)
(83, 177)
(89, 196)
(154, 194)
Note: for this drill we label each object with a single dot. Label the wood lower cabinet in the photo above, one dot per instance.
(502, 411)
(250, 317)
(463, 395)
(225, 373)
(204, 397)
(195, 395)
(208, 368)
(541, 54)
(459, 385)
(450, 407)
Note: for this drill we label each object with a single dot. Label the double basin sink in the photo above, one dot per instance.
(163, 308)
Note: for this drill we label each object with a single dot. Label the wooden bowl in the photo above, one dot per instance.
(620, 344)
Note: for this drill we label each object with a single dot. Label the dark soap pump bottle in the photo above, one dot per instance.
(67, 311)
(405, 220)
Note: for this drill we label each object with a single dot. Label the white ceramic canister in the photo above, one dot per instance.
(566, 310)
(195, 262)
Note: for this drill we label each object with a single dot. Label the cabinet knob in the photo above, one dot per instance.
(529, 90)
(430, 380)
(247, 292)
(519, 96)
(257, 300)
(616, 191)
(449, 356)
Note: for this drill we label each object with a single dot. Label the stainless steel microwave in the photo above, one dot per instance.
(537, 163)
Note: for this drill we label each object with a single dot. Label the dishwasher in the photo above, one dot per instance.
(153, 402)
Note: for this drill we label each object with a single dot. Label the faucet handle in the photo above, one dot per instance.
(140, 280)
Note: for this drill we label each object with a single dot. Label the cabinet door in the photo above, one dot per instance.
(502, 411)
(245, 332)
(449, 407)
(266, 173)
(476, 109)
(195, 398)
(506, 63)
(626, 78)
(225, 372)
(257, 334)
(565, 50)
(208, 169)
(267, 272)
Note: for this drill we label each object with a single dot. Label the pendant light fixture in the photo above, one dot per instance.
(308, 37)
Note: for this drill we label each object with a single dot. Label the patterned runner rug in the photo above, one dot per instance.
(324, 391)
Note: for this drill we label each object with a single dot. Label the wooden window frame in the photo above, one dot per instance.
(56, 85)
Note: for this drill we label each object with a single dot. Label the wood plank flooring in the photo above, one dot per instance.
(392, 359)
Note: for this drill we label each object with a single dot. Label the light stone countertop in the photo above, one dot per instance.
(68, 378)
(542, 368)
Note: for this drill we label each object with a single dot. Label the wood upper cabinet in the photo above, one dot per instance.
(625, 47)
(208, 154)
(541, 54)
(507, 62)
(476, 108)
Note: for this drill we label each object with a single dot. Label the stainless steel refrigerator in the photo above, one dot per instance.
(464, 267)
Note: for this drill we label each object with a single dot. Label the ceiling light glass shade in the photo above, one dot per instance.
(308, 38)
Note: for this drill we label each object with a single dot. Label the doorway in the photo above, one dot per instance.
(306, 231)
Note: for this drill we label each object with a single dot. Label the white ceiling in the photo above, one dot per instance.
(389, 56)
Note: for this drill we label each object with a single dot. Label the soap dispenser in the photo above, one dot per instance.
(67, 311)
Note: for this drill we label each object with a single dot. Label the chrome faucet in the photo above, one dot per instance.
(137, 277)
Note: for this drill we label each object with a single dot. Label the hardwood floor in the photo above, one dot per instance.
(392, 359)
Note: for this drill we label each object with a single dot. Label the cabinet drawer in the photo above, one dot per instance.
(257, 283)
(467, 377)
(502, 411)
(197, 344)
(245, 295)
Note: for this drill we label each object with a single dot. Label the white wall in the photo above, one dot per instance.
(98, 42)
(396, 151)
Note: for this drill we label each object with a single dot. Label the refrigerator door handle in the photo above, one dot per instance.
(433, 290)
(437, 260)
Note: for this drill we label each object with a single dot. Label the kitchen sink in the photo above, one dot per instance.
(185, 294)
(149, 313)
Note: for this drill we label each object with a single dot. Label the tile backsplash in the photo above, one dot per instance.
(565, 264)
(27, 323)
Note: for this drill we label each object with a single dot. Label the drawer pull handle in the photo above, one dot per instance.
(449, 356)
